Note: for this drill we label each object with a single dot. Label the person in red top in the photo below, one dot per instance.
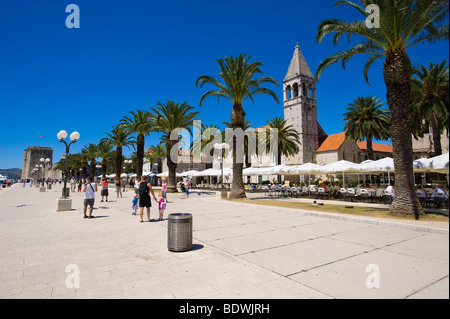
(104, 191)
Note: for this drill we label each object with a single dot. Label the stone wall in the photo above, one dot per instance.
(422, 145)
(31, 158)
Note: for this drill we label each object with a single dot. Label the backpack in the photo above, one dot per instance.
(162, 205)
(143, 189)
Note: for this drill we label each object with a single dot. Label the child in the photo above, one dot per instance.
(134, 206)
(164, 190)
(161, 206)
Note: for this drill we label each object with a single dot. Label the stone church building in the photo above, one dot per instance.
(300, 111)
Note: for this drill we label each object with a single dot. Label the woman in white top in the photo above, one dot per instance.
(73, 184)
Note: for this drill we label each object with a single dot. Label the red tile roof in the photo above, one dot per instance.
(334, 141)
(377, 147)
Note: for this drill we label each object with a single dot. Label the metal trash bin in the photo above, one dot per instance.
(179, 236)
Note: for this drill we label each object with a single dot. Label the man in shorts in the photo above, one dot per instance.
(89, 196)
(104, 191)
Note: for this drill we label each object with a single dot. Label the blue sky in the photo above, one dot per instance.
(127, 55)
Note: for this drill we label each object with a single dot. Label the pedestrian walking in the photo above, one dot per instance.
(187, 186)
(89, 197)
(164, 190)
(73, 184)
(145, 188)
(118, 188)
(104, 192)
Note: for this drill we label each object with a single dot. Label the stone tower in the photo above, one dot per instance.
(300, 107)
(32, 157)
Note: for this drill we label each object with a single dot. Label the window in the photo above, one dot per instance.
(304, 89)
(288, 92)
(295, 86)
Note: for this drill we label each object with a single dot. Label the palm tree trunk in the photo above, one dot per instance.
(248, 158)
(140, 155)
(172, 165)
(118, 161)
(397, 74)
(93, 168)
(237, 121)
(279, 163)
(159, 165)
(85, 165)
(436, 131)
(104, 167)
(370, 148)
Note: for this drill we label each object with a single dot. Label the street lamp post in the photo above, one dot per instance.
(34, 171)
(42, 160)
(73, 137)
(44, 163)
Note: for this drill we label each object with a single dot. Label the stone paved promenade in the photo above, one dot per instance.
(240, 251)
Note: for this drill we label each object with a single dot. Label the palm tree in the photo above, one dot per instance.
(74, 163)
(91, 153)
(105, 152)
(140, 123)
(237, 85)
(430, 97)
(84, 156)
(156, 154)
(286, 137)
(207, 135)
(168, 118)
(402, 25)
(366, 120)
(120, 138)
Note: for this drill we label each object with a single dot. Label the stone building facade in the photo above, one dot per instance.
(424, 148)
(31, 158)
(336, 148)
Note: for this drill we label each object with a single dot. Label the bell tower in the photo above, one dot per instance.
(300, 107)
